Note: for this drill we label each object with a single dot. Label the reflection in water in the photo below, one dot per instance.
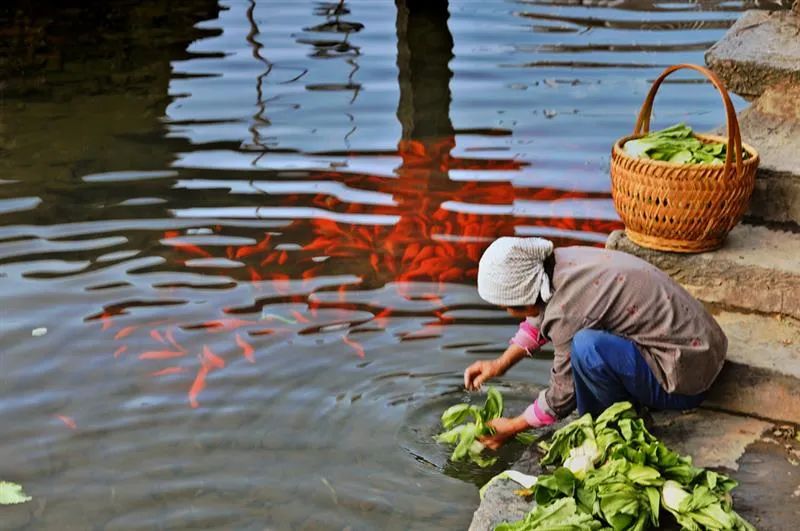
(251, 231)
(259, 118)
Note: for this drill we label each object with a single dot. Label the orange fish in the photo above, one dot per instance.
(356, 346)
(161, 354)
(299, 317)
(155, 334)
(197, 386)
(171, 339)
(212, 360)
(247, 349)
(226, 324)
(69, 422)
(168, 370)
(120, 351)
(125, 332)
(105, 318)
(209, 361)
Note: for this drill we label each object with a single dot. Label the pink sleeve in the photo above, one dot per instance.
(528, 337)
(536, 417)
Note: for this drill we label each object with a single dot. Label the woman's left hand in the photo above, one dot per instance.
(504, 429)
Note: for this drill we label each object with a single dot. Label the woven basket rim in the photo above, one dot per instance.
(619, 151)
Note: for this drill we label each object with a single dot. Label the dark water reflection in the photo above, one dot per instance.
(251, 231)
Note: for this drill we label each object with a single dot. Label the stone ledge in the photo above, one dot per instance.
(743, 388)
(761, 49)
(762, 341)
(772, 126)
(757, 269)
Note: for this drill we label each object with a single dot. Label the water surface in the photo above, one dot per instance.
(251, 231)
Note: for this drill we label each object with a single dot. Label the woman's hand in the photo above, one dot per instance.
(483, 370)
(480, 371)
(504, 429)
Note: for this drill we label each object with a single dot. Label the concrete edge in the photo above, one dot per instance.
(755, 391)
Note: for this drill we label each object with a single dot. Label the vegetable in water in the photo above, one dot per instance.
(12, 493)
(615, 472)
(677, 144)
(465, 434)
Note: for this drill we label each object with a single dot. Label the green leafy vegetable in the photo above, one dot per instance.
(562, 515)
(615, 471)
(701, 508)
(525, 438)
(570, 436)
(11, 493)
(677, 144)
(464, 433)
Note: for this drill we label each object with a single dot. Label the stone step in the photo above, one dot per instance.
(761, 49)
(757, 270)
(762, 374)
(772, 126)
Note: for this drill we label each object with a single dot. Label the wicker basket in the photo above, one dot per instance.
(685, 208)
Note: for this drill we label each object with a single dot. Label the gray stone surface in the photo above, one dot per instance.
(757, 269)
(749, 390)
(762, 373)
(761, 49)
(762, 341)
(699, 433)
(500, 504)
(772, 126)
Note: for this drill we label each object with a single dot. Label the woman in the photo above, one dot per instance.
(622, 330)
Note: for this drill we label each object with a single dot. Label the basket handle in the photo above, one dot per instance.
(734, 136)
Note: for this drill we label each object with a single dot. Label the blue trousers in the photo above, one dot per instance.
(608, 369)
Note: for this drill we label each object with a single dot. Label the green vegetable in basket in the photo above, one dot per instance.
(465, 434)
(677, 144)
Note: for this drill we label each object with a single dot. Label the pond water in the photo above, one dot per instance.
(246, 236)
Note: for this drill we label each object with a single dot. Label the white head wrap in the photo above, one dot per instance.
(511, 272)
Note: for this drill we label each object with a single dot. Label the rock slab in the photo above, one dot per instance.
(772, 126)
(760, 50)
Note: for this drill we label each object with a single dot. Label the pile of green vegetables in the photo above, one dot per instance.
(465, 433)
(613, 474)
(677, 144)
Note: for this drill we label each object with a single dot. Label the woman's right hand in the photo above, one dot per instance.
(480, 371)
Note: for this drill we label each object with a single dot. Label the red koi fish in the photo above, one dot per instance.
(168, 370)
(247, 349)
(161, 354)
(355, 345)
(69, 422)
(209, 361)
(125, 332)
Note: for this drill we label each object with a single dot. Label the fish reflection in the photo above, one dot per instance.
(427, 241)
